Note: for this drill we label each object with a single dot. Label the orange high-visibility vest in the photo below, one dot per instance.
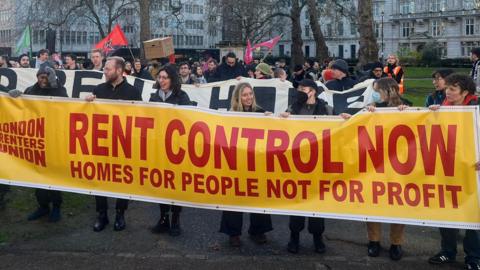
(396, 70)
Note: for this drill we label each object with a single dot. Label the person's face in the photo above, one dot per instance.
(138, 66)
(211, 65)
(473, 57)
(25, 62)
(68, 60)
(112, 73)
(97, 59)
(383, 96)
(42, 80)
(128, 66)
(281, 64)
(164, 81)
(316, 66)
(455, 95)
(199, 71)
(258, 74)
(283, 75)
(306, 65)
(246, 97)
(44, 56)
(438, 82)
(256, 61)
(2, 61)
(184, 71)
(251, 74)
(377, 72)
(391, 60)
(231, 61)
(307, 90)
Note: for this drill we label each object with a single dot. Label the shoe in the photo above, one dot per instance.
(175, 229)
(441, 258)
(40, 212)
(119, 224)
(396, 252)
(294, 244)
(235, 241)
(373, 249)
(319, 245)
(259, 239)
(55, 215)
(472, 265)
(101, 222)
(162, 226)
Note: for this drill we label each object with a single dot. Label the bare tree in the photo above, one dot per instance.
(368, 51)
(320, 44)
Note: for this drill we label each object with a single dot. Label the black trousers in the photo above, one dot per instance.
(315, 225)
(102, 204)
(471, 243)
(165, 208)
(46, 196)
(232, 223)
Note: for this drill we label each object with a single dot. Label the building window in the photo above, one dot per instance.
(340, 28)
(353, 29)
(329, 30)
(307, 30)
(437, 5)
(378, 29)
(437, 28)
(407, 6)
(407, 29)
(467, 46)
(469, 26)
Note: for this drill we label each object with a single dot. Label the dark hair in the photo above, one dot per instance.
(183, 64)
(231, 55)
(476, 51)
(42, 51)
(464, 82)
(442, 73)
(119, 62)
(23, 55)
(195, 68)
(137, 60)
(72, 56)
(172, 75)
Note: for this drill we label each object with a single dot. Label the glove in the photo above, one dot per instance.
(15, 93)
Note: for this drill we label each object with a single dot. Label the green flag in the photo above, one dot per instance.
(23, 43)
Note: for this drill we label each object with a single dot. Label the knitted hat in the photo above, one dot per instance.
(341, 65)
(264, 68)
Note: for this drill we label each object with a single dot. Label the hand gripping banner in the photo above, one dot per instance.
(412, 167)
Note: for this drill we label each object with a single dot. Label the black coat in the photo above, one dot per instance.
(320, 108)
(341, 85)
(36, 90)
(123, 91)
(226, 72)
(143, 74)
(177, 98)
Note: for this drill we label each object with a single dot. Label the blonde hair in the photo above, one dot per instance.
(397, 60)
(389, 87)
(236, 104)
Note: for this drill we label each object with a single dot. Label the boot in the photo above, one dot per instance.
(318, 242)
(163, 224)
(101, 222)
(119, 224)
(175, 227)
(41, 211)
(55, 215)
(294, 244)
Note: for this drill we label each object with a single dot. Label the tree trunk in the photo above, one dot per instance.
(320, 45)
(368, 51)
(144, 7)
(297, 42)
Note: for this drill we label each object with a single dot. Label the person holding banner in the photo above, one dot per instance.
(97, 59)
(263, 71)
(460, 91)
(243, 100)
(169, 90)
(115, 87)
(438, 95)
(307, 103)
(341, 81)
(24, 61)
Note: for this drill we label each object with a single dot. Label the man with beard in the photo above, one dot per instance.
(115, 87)
(24, 61)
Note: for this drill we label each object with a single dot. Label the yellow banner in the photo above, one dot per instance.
(413, 167)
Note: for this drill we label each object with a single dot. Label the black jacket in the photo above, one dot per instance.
(177, 98)
(35, 90)
(211, 76)
(143, 74)
(341, 85)
(123, 91)
(321, 108)
(226, 72)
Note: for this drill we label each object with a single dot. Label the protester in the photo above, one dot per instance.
(475, 72)
(327, 73)
(47, 85)
(375, 72)
(154, 68)
(341, 81)
(230, 69)
(263, 71)
(298, 75)
(459, 91)
(116, 87)
(438, 95)
(70, 62)
(24, 61)
(280, 73)
(283, 65)
(185, 73)
(139, 71)
(243, 100)
(198, 77)
(307, 103)
(128, 68)
(169, 90)
(310, 72)
(4, 61)
(97, 59)
(395, 71)
(211, 72)
(42, 58)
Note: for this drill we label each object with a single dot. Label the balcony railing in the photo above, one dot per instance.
(435, 14)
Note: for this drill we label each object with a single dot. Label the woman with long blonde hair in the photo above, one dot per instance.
(243, 99)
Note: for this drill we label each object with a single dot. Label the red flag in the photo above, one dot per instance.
(248, 57)
(115, 38)
(171, 58)
(269, 44)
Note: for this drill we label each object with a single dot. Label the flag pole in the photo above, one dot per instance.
(270, 51)
(30, 38)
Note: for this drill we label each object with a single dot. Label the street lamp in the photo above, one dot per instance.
(382, 34)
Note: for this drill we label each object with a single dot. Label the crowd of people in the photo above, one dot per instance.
(450, 89)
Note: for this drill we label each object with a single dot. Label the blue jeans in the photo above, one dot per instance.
(471, 244)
